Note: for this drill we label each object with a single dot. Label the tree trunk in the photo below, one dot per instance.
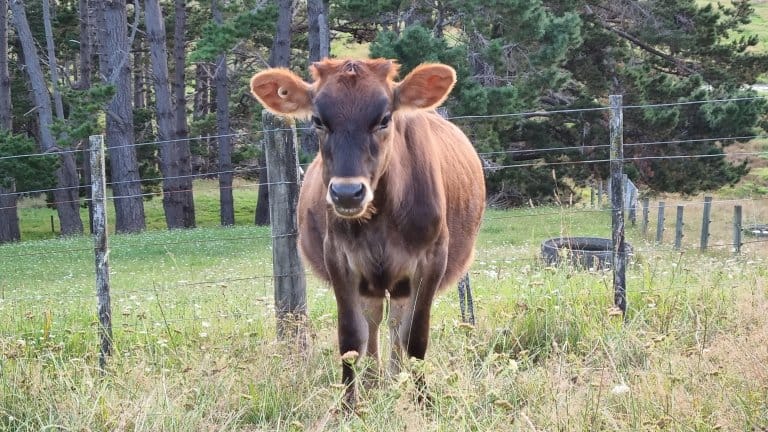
(9, 220)
(279, 57)
(115, 66)
(177, 186)
(183, 153)
(200, 105)
(281, 46)
(66, 193)
(86, 51)
(53, 64)
(226, 199)
(139, 99)
(84, 81)
(5, 79)
(319, 37)
(9, 217)
(319, 46)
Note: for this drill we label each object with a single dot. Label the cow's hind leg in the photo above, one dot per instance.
(409, 333)
(373, 310)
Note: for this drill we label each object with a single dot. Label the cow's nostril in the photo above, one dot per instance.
(348, 195)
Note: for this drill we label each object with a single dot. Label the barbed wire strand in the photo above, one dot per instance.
(487, 168)
(529, 113)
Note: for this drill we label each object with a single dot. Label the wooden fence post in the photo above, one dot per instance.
(679, 227)
(737, 229)
(600, 194)
(466, 304)
(283, 176)
(101, 247)
(660, 223)
(617, 204)
(644, 223)
(705, 223)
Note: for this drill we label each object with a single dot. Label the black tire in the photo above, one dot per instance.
(756, 230)
(584, 252)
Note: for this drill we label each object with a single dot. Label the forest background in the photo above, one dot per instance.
(161, 74)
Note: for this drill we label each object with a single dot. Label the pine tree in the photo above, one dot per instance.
(538, 56)
(19, 175)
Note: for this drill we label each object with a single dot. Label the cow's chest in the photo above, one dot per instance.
(378, 258)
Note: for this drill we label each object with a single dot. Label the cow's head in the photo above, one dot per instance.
(351, 104)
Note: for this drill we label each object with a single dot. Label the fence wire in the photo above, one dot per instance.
(485, 261)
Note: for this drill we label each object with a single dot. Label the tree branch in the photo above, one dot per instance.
(678, 63)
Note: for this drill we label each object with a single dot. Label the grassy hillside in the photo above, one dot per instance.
(195, 344)
(35, 216)
(759, 24)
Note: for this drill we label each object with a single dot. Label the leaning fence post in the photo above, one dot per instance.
(280, 147)
(737, 229)
(679, 227)
(705, 223)
(617, 204)
(101, 247)
(660, 223)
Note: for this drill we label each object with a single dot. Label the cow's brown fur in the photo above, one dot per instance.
(416, 234)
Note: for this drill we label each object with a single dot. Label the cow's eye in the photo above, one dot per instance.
(317, 122)
(385, 121)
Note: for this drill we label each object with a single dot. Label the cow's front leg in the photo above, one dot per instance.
(353, 337)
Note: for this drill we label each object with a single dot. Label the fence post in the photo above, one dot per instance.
(737, 229)
(600, 194)
(466, 304)
(617, 204)
(644, 223)
(101, 247)
(679, 227)
(281, 151)
(660, 223)
(592, 196)
(632, 200)
(705, 223)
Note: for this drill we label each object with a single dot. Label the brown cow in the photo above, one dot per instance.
(392, 203)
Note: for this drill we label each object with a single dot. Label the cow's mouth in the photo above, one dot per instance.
(355, 213)
(349, 212)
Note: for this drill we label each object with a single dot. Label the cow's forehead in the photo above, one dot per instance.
(382, 70)
(345, 99)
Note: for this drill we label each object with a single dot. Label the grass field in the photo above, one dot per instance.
(195, 345)
(759, 24)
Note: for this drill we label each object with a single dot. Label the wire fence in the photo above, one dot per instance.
(188, 292)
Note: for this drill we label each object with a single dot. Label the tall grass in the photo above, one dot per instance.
(195, 344)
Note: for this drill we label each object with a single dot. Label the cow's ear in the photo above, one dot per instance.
(425, 87)
(282, 92)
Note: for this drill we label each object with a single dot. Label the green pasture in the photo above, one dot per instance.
(195, 345)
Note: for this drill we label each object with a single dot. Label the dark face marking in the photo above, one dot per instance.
(353, 119)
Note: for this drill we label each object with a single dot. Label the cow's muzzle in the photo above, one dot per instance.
(349, 196)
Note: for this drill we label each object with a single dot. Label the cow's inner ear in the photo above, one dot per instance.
(282, 93)
(426, 87)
